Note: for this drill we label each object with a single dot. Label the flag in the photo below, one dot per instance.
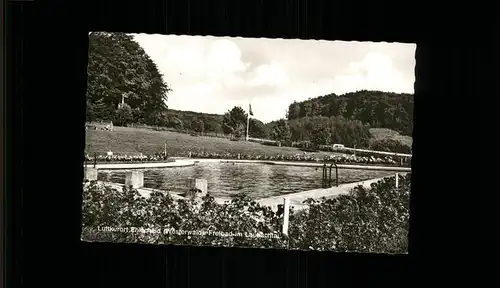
(250, 109)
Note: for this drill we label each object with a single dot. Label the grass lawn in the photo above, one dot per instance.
(384, 133)
(132, 141)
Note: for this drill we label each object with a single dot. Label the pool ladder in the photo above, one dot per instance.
(327, 175)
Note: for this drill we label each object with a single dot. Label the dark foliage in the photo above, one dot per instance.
(366, 220)
(376, 108)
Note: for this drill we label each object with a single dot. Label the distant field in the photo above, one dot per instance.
(126, 140)
(384, 133)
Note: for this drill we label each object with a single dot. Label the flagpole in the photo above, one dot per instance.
(248, 124)
(250, 113)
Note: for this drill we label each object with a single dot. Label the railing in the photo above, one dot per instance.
(327, 175)
(376, 152)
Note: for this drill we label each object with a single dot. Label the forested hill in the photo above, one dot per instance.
(379, 109)
(188, 119)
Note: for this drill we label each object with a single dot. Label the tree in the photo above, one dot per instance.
(162, 119)
(321, 133)
(175, 122)
(390, 145)
(99, 111)
(299, 130)
(234, 121)
(118, 67)
(197, 125)
(281, 131)
(123, 115)
(90, 113)
(213, 125)
(377, 108)
(293, 111)
(257, 129)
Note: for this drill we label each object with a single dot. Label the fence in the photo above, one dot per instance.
(376, 152)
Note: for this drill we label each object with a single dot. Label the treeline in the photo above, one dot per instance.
(194, 121)
(320, 130)
(231, 123)
(377, 108)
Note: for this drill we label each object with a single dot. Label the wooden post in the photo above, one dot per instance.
(337, 175)
(165, 149)
(397, 180)
(286, 213)
(90, 173)
(85, 169)
(197, 188)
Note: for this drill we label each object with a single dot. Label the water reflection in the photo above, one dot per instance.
(228, 179)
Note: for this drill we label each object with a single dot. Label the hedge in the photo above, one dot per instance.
(339, 159)
(365, 220)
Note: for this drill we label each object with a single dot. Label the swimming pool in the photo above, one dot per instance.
(228, 179)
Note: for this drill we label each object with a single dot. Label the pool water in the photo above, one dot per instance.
(228, 179)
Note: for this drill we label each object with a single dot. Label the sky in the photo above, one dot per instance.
(214, 74)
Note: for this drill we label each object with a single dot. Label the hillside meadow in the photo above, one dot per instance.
(134, 141)
(384, 133)
(127, 140)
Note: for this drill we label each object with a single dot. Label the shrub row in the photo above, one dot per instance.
(340, 159)
(127, 158)
(390, 145)
(365, 220)
(343, 159)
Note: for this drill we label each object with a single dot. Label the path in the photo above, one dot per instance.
(378, 152)
(144, 192)
(297, 199)
(177, 163)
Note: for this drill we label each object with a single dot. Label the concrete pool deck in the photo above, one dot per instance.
(297, 199)
(145, 192)
(308, 164)
(124, 166)
(190, 162)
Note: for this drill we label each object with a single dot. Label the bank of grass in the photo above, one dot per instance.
(384, 133)
(133, 141)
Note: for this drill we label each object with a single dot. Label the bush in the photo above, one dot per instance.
(106, 207)
(366, 220)
(390, 145)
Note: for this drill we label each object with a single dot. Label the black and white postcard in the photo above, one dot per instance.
(248, 142)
